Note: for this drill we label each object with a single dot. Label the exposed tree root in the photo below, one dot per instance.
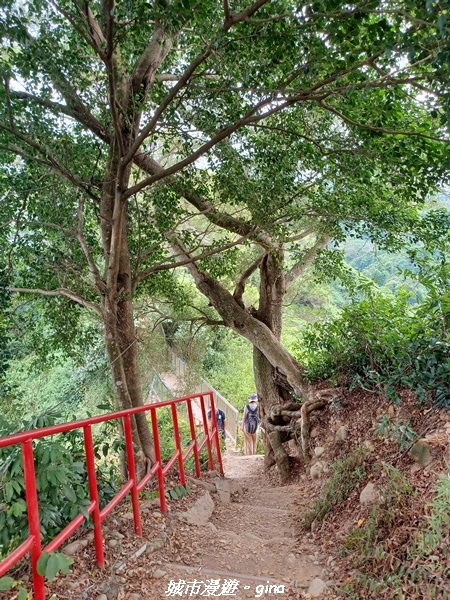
(292, 421)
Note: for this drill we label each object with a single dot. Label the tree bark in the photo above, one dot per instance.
(270, 392)
(120, 333)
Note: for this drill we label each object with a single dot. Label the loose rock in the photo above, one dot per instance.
(342, 433)
(421, 453)
(316, 470)
(316, 588)
(201, 511)
(75, 547)
(158, 573)
(369, 494)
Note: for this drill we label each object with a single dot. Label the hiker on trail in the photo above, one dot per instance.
(250, 423)
(221, 421)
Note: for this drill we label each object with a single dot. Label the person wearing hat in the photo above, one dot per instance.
(250, 423)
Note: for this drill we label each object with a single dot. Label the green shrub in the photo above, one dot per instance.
(383, 517)
(416, 569)
(402, 433)
(61, 481)
(381, 343)
(434, 538)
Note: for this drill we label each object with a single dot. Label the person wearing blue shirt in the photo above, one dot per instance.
(221, 421)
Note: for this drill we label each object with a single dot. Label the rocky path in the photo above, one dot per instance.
(231, 538)
(248, 541)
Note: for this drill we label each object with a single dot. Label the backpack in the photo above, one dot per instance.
(220, 417)
(251, 419)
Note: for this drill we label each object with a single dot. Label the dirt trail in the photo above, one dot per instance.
(244, 548)
(251, 540)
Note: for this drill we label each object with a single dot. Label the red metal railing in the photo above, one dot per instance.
(33, 544)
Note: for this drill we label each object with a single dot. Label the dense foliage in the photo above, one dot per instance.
(61, 479)
(385, 342)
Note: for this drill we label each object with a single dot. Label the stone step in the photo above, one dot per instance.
(224, 573)
(259, 508)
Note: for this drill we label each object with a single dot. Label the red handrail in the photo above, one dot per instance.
(33, 544)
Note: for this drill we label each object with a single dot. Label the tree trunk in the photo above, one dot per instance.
(120, 333)
(121, 344)
(270, 392)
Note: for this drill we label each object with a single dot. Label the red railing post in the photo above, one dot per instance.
(194, 437)
(132, 475)
(216, 435)
(93, 493)
(205, 429)
(34, 525)
(176, 432)
(159, 473)
(33, 543)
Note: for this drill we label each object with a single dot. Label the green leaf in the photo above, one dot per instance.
(23, 594)
(69, 493)
(180, 490)
(9, 491)
(52, 568)
(64, 562)
(42, 563)
(6, 583)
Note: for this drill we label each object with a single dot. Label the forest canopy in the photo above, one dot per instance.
(229, 139)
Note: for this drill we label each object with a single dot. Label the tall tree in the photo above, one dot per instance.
(113, 110)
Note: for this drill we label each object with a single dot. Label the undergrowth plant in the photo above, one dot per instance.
(402, 433)
(434, 539)
(347, 472)
(415, 570)
(48, 566)
(382, 518)
(61, 480)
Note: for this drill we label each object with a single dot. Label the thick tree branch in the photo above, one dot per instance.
(100, 284)
(224, 220)
(164, 266)
(61, 83)
(244, 15)
(300, 236)
(182, 81)
(60, 292)
(350, 121)
(93, 124)
(144, 64)
(226, 10)
(240, 321)
(89, 38)
(308, 258)
(151, 59)
(224, 133)
(94, 27)
(240, 285)
(48, 160)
